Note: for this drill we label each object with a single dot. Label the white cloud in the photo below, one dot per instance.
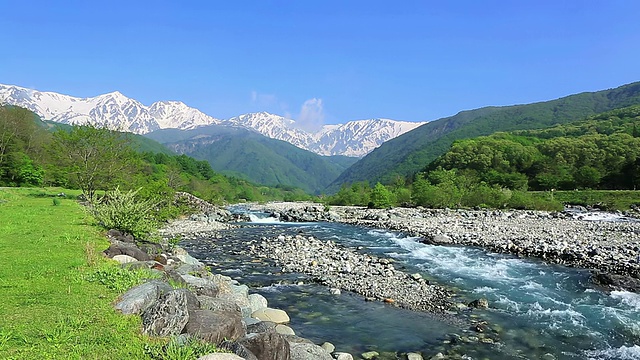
(311, 116)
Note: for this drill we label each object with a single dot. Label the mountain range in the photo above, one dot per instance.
(115, 110)
(413, 151)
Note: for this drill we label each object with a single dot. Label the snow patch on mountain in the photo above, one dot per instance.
(116, 111)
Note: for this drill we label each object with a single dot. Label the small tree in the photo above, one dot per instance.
(94, 157)
(380, 197)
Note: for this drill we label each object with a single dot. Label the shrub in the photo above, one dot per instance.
(126, 212)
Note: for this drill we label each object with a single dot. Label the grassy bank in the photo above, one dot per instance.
(49, 310)
(605, 199)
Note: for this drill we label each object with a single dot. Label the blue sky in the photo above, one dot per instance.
(322, 61)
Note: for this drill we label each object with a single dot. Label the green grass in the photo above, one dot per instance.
(606, 199)
(49, 310)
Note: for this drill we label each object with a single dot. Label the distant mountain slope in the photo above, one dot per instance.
(412, 151)
(355, 138)
(255, 157)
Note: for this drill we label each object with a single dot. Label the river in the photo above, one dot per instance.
(537, 310)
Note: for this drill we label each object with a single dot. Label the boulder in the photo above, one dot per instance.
(329, 347)
(121, 236)
(238, 349)
(481, 303)
(284, 330)
(125, 259)
(308, 351)
(189, 260)
(126, 249)
(267, 346)
(217, 304)
(215, 326)
(414, 356)
(168, 316)
(139, 298)
(262, 326)
(202, 286)
(220, 356)
(369, 355)
(257, 302)
(268, 314)
(342, 356)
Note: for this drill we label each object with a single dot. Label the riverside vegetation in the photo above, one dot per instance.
(55, 302)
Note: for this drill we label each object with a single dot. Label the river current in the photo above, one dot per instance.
(537, 310)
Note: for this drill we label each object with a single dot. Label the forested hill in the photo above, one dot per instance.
(601, 152)
(252, 156)
(408, 153)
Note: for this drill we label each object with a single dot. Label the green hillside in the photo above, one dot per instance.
(410, 152)
(138, 142)
(252, 156)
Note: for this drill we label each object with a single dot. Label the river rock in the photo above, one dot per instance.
(261, 326)
(328, 347)
(481, 303)
(220, 356)
(215, 326)
(308, 351)
(166, 317)
(342, 356)
(257, 302)
(284, 330)
(267, 345)
(414, 356)
(268, 314)
(369, 355)
(127, 249)
(238, 349)
(202, 286)
(139, 298)
(124, 259)
(217, 304)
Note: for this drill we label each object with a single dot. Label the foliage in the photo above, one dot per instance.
(256, 158)
(118, 279)
(96, 158)
(597, 153)
(48, 309)
(127, 212)
(411, 152)
(21, 141)
(381, 197)
(192, 348)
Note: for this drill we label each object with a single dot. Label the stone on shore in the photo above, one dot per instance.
(257, 302)
(369, 355)
(220, 356)
(139, 298)
(267, 345)
(215, 326)
(124, 259)
(342, 356)
(166, 317)
(268, 314)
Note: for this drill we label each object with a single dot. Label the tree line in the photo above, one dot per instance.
(500, 170)
(93, 159)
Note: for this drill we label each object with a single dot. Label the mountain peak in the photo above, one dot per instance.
(354, 138)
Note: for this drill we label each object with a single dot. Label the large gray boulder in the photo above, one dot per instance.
(139, 298)
(215, 326)
(238, 349)
(202, 286)
(168, 316)
(257, 302)
(267, 346)
(218, 304)
(305, 350)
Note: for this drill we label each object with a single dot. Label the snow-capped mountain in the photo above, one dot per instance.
(355, 138)
(115, 110)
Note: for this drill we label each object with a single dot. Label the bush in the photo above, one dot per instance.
(126, 212)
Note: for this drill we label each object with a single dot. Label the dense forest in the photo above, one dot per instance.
(600, 152)
(37, 153)
(409, 153)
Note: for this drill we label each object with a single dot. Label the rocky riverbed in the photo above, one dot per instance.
(343, 268)
(610, 248)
